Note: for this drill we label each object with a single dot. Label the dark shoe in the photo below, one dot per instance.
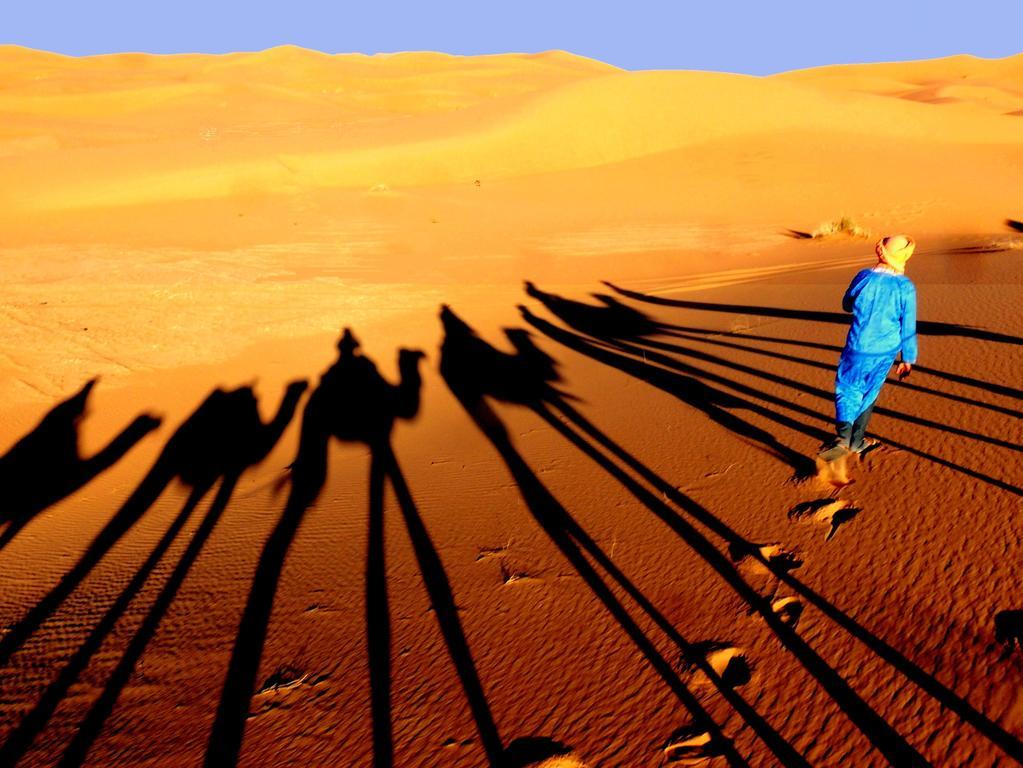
(836, 449)
(868, 444)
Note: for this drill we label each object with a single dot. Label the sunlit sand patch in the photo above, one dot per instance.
(566, 761)
(540, 752)
(381, 190)
(637, 239)
(114, 312)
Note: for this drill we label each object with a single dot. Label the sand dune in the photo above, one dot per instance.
(529, 131)
(600, 540)
(990, 85)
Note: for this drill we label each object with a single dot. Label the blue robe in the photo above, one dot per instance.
(883, 307)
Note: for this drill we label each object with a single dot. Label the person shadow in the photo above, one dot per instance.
(222, 437)
(46, 465)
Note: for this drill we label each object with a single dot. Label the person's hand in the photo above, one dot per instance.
(902, 370)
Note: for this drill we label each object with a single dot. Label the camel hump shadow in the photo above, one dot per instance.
(226, 434)
(611, 319)
(474, 369)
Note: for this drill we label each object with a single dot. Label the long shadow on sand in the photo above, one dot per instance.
(46, 465)
(219, 441)
(923, 327)
(716, 341)
(246, 443)
(342, 387)
(648, 360)
(533, 390)
(706, 335)
(354, 403)
(738, 546)
(616, 321)
(187, 455)
(475, 371)
(623, 324)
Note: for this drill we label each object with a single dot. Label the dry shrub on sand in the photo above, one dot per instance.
(842, 226)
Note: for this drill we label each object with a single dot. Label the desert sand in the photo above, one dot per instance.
(600, 539)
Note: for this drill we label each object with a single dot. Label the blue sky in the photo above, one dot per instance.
(754, 36)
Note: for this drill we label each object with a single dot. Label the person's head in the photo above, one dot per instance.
(895, 251)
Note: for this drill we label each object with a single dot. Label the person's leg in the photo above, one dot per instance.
(843, 436)
(859, 427)
(848, 399)
(874, 377)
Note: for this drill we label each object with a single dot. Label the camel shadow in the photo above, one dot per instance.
(663, 365)
(476, 372)
(621, 324)
(46, 465)
(353, 403)
(665, 503)
(219, 441)
(739, 548)
(923, 327)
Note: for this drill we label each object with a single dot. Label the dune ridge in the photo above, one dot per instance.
(409, 120)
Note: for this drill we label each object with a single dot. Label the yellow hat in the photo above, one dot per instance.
(895, 251)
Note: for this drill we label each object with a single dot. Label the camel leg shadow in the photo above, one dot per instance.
(89, 730)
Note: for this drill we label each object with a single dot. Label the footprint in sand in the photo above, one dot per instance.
(831, 512)
(728, 663)
(757, 557)
(286, 682)
(788, 609)
(780, 558)
(691, 746)
(834, 474)
(486, 553)
(509, 574)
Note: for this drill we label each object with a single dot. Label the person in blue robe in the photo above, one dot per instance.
(882, 301)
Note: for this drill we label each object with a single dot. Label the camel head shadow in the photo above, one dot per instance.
(46, 465)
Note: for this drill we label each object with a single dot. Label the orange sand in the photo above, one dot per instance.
(173, 224)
